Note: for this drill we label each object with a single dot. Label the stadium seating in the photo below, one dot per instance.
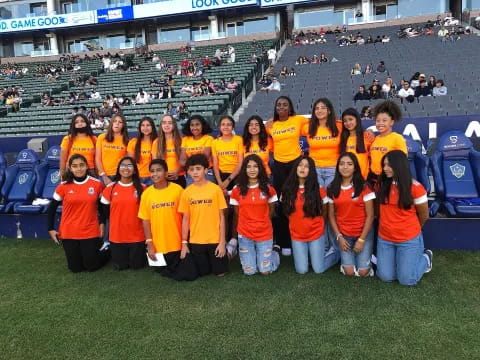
(456, 171)
(47, 179)
(3, 166)
(419, 163)
(19, 181)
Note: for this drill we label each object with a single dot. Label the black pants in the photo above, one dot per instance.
(179, 269)
(206, 261)
(128, 255)
(84, 255)
(229, 210)
(281, 231)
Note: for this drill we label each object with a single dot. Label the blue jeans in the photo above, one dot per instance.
(325, 175)
(257, 256)
(320, 258)
(361, 260)
(210, 177)
(404, 261)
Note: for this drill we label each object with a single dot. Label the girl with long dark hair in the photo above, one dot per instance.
(80, 140)
(323, 135)
(253, 201)
(111, 147)
(122, 197)
(168, 147)
(403, 210)
(285, 128)
(355, 140)
(256, 140)
(304, 202)
(351, 213)
(81, 227)
(140, 147)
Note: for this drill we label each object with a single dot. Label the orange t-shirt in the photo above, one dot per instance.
(350, 212)
(399, 225)
(324, 149)
(382, 145)
(125, 226)
(305, 228)
(254, 212)
(193, 146)
(170, 156)
(203, 204)
(363, 158)
(262, 154)
(160, 206)
(81, 145)
(227, 153)
(79, 219)
(286, 138)
(145, 156)
(112, 152)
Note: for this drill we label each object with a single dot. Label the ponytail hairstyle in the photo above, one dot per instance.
(153, 136)
(358, 132)
(312, 206)
(398, 161)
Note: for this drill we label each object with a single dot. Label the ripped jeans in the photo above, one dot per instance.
(257, 256)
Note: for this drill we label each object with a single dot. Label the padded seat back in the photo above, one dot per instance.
(48, 174)
(20, 177)
(418, 162)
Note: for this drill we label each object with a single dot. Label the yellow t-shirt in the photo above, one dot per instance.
(363, 158)
(286, 138)
(227, 153)
(193, 146)
(382, 145)
(145, 156)
(81, 145)
(170, 157)
(203, 204)
(161, 208)
(262, 154)
(324, 149)
(112, 152)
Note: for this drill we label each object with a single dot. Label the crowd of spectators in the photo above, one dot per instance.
(11, 97)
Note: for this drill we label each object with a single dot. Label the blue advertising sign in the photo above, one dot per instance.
(264, 3)
(115, 14)
(47, 22)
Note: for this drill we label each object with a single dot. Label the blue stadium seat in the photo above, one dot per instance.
(3, 166)
(19, 181)
(48, 178)
(456, 171)
(418, 162)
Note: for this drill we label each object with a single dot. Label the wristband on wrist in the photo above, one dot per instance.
(338, 235)
(360, 240)
(184, 242)
(148, 241)
(101, 174)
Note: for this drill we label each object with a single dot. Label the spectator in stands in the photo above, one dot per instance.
(368, 69)
(264, 82)
(362, 94)
(366, 113)
(323, 58)
(440, 89)
(442, 33)
(292, 72)
(423, 89)
(389, 89)
(284, 71)
(378, 39)
(141, 98)
(231, 53)
(343, 41)
(186, 89)
(95, 94)
(272, 56)
(106, 63)
(415, 80)
(105, 110)
(315, 59)
(99, 123)
(375, 92)
(232, 85)
(356, 70)
(432, 82)
(369, 40)
(182, 111)
(172, 111)
(222, 85)
(385, 39)
(406, 93)
(274, 86)
(381, 68)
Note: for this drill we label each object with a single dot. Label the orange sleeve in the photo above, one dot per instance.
(155, 149)
(131, 145)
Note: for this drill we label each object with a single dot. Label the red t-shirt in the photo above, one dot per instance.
(399, 225)
(79, 209)
(254, 212)
(349, 211)
(305, 228)
(125, 226)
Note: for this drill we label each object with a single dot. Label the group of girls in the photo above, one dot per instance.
(322, 206)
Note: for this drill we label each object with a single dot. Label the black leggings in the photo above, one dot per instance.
(84, 255)
(281, 231)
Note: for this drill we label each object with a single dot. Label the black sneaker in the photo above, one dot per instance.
(277, 248)
(429, 254)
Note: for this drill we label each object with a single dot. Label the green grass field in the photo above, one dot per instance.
(48, 313)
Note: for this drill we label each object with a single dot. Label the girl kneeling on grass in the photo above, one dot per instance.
(403, 211)
(253, 201)
(351, 213)
(304, 202)
(122, 196)
(80, 229)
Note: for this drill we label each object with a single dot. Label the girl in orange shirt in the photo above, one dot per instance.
(140, 147)
(168, 146)
(80, 140)
(197, 140)
(403, 211)
(80, 226)
(256, 140)
(122, 198)
(351, 213)
(323, 136)
(353, 139)
(304, 202)
(111, 147)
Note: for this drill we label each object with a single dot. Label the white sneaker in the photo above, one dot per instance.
(373, 259)
(429, 255)
(286, 251)
(105, 246)
(232, 248)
